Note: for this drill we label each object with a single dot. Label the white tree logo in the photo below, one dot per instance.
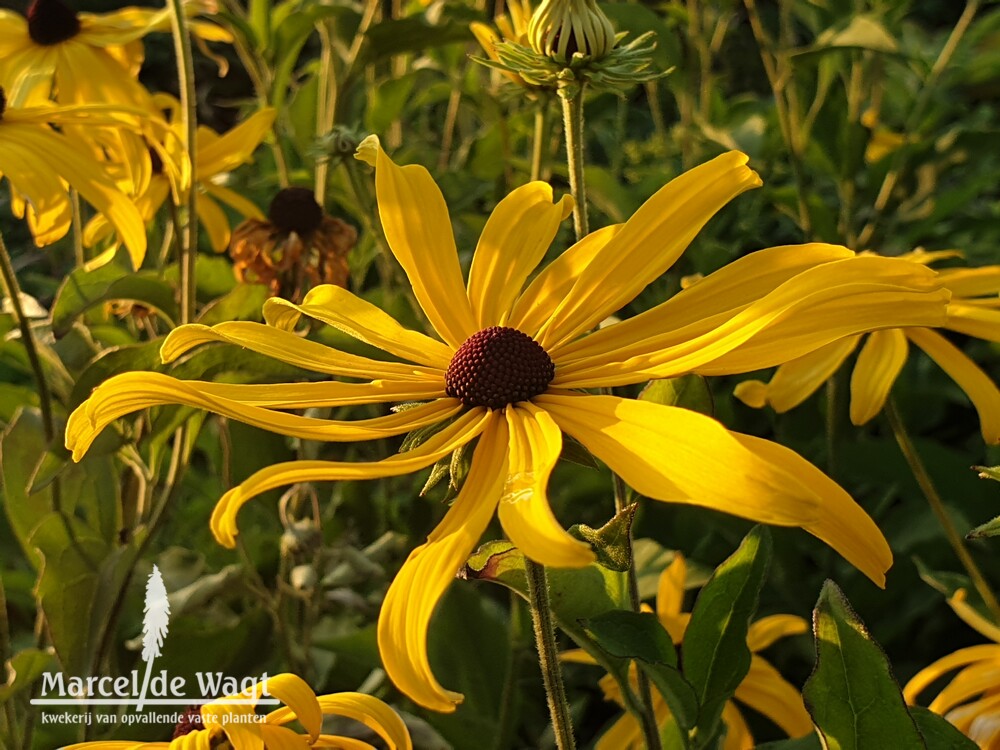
(154, 626)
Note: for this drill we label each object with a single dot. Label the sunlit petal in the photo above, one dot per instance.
(670, 598)
(930, 674)
(879, 364)
(766, 691)
(971, 616)
(738, 735)
(767, 630)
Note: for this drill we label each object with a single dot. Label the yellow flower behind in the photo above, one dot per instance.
(39, 162)
(971, 701)
(974, 310)
(513, 27)
(239, 724)
(512, 364)
(763, 688)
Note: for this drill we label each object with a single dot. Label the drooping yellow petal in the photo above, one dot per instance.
(341, 309)
(320, 394)
(201, 739)
(543, 295)
(766, 691)
(972, 282)
(670, 598)
(971, 682)
(524, 512)
(576, 656)
(797, 380)
(431, 567)
(879, 363)
(648, 244)
(767, 630)
(839, 521)
(441, 444)
(213, 220)
(292, 349)
(225, 152)
(974, 320)
(979, 720)
(366, 709)
(248, 209)
(418, 228)
(978, 386)
(673, 454)
(298, 697)
(697, 308)
(234, 721)
(132, 391)
(930, 674)
(738, 735)
(513, 242)
(282, 738)
(971, 617)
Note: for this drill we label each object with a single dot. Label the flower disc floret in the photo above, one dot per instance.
(498, 366)
(51, 22)
(294, 209)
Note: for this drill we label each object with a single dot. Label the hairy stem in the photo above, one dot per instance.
(572, 108)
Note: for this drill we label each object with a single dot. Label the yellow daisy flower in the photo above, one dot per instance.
(513, 27)
(974, 310)
(215, 156)
(83, 58)
(239, 724)
(511, 368)
(763, 689)
(971, 701)
(38, 162)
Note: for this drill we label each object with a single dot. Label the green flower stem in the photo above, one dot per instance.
(538, 139)
(13, 293)
(325, 108)
(923, 478)
(74, 197)
(545, 640)
(572, 108)
(189, 124)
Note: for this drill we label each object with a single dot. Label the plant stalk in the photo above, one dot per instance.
(538, 139)
(572, 109)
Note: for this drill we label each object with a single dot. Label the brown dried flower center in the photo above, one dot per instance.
(51, 22)
(498, 366)
(190, 721)
(294, 209)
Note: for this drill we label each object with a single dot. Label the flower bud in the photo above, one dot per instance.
(561, 28)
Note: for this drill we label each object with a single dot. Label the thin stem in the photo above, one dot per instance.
(13, 293)
(450, 123)
(189, 125)
(572, 108)
(325, 108)
(74, 197)
(545, 640)
(5, 654)
(538, 139)
(923, 478)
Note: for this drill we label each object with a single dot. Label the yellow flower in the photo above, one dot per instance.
(974, 310)
(512, 363)
(763, 688)
(38, 162)
(971, 701)
(513, 27)
(83, 58)
(215, 155)
(244, 729)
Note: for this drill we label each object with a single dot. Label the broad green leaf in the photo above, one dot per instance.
(716, 655)
(23, 669)
(852, 694)
(113, 362)
(938, 732)
(809, 742)
(688, 391)
(244, 302)
(411, 34)
(386, 102)
(21, 447)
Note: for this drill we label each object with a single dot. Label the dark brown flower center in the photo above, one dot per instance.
(190, 721)
(3, 102)
(294, 209)
(498, 366)
(51, 22)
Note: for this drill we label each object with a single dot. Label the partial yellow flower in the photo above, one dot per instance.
(971, 701)
(215, 156)
(763, 688)
(974, 310)
(38, 162)
(83, 58)
(242, 727)
(513, 27)
(513, 360)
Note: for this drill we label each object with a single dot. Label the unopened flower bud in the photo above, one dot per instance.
(561, 28)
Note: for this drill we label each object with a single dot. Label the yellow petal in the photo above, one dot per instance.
(280, 738)
(969, 683)
(879, 363)
(234, 721)
(577, 656)
(441, 444)
(670, 598)
(840, 522)
(766, 691)
(320, 394)
(972, 282)
(524, 512)
(513, 242)
(431, 567)
(931, 673)
(738, 735)
(648, 244)
(974, 320)
(234, 200)
(213, 220)
(673, 454)
(292, 349)
(366, 709)
(418, 229)
(797, 380)
(727, 290)
(234, 147)
(978, 386)
(132, 391)
(543, 295)
(971, 617)
(341, 309)
(767, 630)
(200, 739)
(624, 734)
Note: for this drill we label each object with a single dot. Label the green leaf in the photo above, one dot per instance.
(611, 542)
(112, 362)
(716, 655)
(852, 694)
(938, 732)
(988, 472)
(244, 302)
(84, 289)
(411, 34)
(863, 32)
(687, 391)
(988, 529)
(23, 669)
(809, 742)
